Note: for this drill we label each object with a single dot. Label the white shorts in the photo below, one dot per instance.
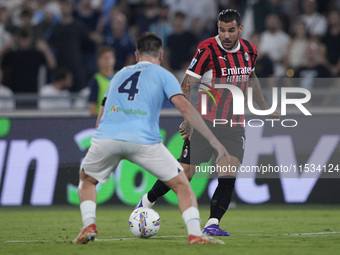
(104, 156)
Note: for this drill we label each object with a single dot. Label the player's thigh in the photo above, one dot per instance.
(189, 170)
(157, 160)
(200, 149)
(99, 161)
(233, 141)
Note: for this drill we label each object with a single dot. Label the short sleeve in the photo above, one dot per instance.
(200, 63)
(171, 85)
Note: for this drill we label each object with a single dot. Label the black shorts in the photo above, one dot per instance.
(198, 150)
(185, 155)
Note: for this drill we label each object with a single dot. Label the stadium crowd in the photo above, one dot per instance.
(54, 48)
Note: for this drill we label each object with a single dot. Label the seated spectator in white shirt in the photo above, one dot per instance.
(56, 96)
(316, 23)
(274, 43)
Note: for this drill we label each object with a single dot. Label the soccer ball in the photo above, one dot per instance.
(144, 222)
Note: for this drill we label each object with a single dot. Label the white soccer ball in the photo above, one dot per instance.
(144, 222)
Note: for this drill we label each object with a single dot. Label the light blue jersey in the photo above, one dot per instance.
(134, 101)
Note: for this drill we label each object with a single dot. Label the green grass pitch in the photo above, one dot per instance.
(266, 229)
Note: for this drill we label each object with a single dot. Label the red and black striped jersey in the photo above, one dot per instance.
(213, 64)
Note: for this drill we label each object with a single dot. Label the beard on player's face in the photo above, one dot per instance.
(231, 42)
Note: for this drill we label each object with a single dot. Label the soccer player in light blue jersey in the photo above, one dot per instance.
(128, 128)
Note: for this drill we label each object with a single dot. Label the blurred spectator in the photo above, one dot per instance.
(332, 42)
(89, 17)
(183, 6)
(274, 43)
(21, 65)
(106, 5)
(148, 15)
(6, 97)
(101, 80)
(264, 65)
(203, 19)
(47, 10)
(24, 21)
(180, 47)
(295, 56)
(200, 15)
(66, 40)
(56, 96)
(163, 26)
(280, 8)
(45, 18)
(37, 17)
(104, 23)
(12, 28)
(131, 9)
(313, 67)
(4, 34)
(310, 75)
(315, 22)
(254, 13)
(122, 42)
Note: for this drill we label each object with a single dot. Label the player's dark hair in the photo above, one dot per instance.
(229, 15)
(149, 44)
(61, 73)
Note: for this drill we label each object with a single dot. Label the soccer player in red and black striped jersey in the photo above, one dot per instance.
(223, 59)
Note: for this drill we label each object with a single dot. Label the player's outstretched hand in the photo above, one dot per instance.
(221, 150)
(185, 130)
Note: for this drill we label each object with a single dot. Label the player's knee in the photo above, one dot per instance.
(86, 178)
(229, 168)
(179, 182)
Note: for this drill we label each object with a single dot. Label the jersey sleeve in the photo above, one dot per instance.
(171, 86)
(200, 63)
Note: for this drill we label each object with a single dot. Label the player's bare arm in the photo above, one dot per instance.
(101, 112)
(191, 115)
(258, 95)
(187, 84)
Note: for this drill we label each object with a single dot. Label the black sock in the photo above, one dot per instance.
(159, 189)
(222, 196)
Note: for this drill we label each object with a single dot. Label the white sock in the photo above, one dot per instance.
(146, 202)
(192, 220)
(88, 212)
(211, 221)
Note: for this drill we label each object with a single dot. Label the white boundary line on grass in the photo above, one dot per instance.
(309, 234)
(132, 238)
(97, 240)
(158, 237)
